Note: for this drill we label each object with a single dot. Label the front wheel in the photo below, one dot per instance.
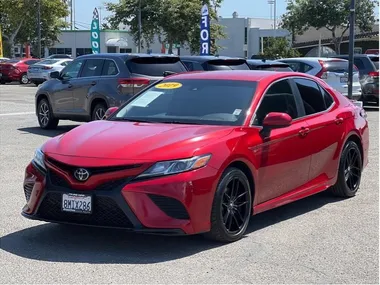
(349, 172)
(231, 209)
(45, 116)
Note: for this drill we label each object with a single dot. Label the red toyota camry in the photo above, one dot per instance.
(201, 153)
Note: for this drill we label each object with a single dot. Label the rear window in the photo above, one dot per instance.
(227, 65)
(336, 66)
(155, 66)
(49, 61)
(375, 60)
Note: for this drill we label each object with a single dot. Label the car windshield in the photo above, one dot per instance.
(191, 101)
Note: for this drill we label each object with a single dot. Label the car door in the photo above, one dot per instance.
(326, 124)
(283, 155)
(85, 85)
(62, 92)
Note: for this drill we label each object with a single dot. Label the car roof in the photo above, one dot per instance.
(244, 75)
(316, 59)
(124, 55)
(204, 58)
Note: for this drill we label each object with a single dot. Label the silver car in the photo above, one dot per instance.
(332, 70)
(40, 72)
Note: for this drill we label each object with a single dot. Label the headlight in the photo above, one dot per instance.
(39, 159)
(176, 166)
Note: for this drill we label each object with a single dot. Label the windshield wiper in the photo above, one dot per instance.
(132, 120)
(178, 122)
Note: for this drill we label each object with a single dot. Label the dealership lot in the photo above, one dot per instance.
(317, 240)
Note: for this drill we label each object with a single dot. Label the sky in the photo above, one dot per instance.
(244, 8)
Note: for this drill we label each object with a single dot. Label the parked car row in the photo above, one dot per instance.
(89, 85)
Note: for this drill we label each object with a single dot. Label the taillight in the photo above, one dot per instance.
(133, 82)
(323, 73)
(47, 67)
(373, 74)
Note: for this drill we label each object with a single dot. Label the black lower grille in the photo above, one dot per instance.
(105, 213)
(58, 180)
(170, 206)
(28, 191)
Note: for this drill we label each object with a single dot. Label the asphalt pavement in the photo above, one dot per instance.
(320, 239)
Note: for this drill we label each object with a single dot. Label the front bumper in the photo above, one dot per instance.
(179, 204)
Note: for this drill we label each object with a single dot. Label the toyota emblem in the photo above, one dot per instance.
(81, 174)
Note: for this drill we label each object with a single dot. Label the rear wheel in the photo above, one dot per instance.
(98, 112)
(45, 116)
(24, 79)
(231, 209)
(349, 172)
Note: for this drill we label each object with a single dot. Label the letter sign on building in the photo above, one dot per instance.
(205, 31)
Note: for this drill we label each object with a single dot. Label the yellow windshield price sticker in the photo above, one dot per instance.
(169, 85)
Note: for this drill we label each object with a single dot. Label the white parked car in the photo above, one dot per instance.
(332, 70)
(40, 72)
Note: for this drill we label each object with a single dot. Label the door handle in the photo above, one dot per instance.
(93, 83)
(339, 121)
(303, 132)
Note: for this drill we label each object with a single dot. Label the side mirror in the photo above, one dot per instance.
(54, 74)
(276, 120)
(109, 112)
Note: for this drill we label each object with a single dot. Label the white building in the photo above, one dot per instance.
(245, 37)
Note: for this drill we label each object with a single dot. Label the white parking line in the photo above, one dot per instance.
(17, 114)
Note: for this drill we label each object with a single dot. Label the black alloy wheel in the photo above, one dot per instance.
(350, 171)
(232, 207)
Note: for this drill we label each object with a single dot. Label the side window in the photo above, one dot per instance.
(92, 67)
(311, 95)
(306, 67)
(65, 63)
(72, 70)
(278, 98)
(296, 66)
(30, 62)
(327, 97)
(109, 68)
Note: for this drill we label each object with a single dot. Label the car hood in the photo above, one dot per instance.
(134, 141)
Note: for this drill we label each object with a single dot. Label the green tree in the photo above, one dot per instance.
(175, 21)
(276, 48)
(330, 14)
(18, 19)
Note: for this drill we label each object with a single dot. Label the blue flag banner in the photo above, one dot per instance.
(205, 31)
(95, 32)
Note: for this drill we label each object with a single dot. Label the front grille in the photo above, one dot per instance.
(28, 191)
(58, 180)
(170, 206)
(105, 212)
(92, 170)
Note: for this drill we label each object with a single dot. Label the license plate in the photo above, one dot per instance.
(77, 203)
(344, 79)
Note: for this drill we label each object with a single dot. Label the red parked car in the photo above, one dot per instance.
(16, 70)
(201, 153)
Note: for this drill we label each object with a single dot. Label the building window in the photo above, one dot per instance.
(125, 50)
(111, 49)
(83, 51)
(245, 35)
(67, 51)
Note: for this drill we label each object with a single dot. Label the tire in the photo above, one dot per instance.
(45, 116)
(24, 79)
(2, 82)
(229, 221)
(98, 112)
(349, 174)
(37, 83)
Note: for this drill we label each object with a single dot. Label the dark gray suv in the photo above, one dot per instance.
(90, 84)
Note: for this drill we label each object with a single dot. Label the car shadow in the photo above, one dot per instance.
(48, 133)
(64, 243)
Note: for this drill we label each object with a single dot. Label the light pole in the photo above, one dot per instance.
(39, 27)
(351, 48)
(139, 19)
